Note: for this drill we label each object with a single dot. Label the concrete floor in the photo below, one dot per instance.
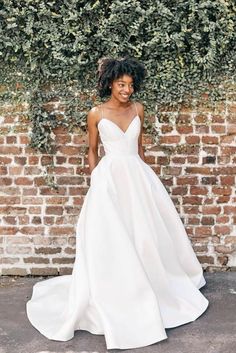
(213, 332)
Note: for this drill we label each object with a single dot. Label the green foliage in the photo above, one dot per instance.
(49, 51)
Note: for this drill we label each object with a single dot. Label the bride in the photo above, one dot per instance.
(135, 272)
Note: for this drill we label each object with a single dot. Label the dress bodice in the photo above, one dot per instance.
(119, 142)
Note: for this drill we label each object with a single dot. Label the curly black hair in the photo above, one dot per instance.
(111, 69)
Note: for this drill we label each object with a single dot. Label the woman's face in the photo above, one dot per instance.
(122, 88)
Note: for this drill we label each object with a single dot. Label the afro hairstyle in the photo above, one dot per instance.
(111, 69)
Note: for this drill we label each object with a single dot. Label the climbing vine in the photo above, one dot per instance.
(49, 52)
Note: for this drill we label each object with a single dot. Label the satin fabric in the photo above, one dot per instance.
(135, 272)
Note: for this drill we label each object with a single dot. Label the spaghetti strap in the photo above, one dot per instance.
(136, 108)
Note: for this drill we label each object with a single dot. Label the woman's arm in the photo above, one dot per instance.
(92, 120)
(140, 144)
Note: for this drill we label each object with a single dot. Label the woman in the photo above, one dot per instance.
(135, 272)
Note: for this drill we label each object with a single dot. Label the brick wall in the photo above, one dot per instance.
(195, 158)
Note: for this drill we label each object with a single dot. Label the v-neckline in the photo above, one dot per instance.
(124, 132)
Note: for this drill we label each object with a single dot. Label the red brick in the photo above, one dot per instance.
(32, 170)
(34, 210)
(206, 221)
(218, 129)
(179, 190)
(177, 160)
(223, 260)
(10, 260)
(198, 190)
(201, 119)
(172, 170)
(55, 200)
(212, 210)
(10, 150)
(40, 181)
(65, 271)
(218, 119)
(69, 150)
(50, 191)
(203, 231)
(62, 139)
(66, 180)
(10, 200)
(198, 170)
(55, 210)
(183, 119)
(223, 249)
(226, 139)
(32, 200)
(166, 129)
(33, 160)
(47, 250)
(62, 231)
(227, 180)
(230, 239)
(222, 199)
(47, 160)
(202, 129)
(5, 181)
(222, 230)
(193, 159)
(3, 170)
(23, 181)
(75, 160)
(210, 140)
(8, 230)
(222, 190)
(24, 140)
(80, 139)
(231, 128)
(14, 271)
(48, 220)
(192, 139)
(30, 230)
(61, 170)
(63, 260)
(5, 160)
(229, 150)
(10, 220)
(205, 259)
(187, 180)
(36, 260)
(18, 249)
(187, 149)
(230, 209)
(70, 251)
(193, 221)
(15, 170)
(222, 219)
(209, 180)
(169, 139)
(184, 129)
(42, 271)
(192, 200)
(20, 160)
(29, 192)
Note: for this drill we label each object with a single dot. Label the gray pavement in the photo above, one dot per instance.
(213, 332)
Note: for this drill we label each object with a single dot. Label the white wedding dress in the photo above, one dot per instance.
(135, 272)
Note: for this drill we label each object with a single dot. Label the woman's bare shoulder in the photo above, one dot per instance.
(94, 114)
(140, 109)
